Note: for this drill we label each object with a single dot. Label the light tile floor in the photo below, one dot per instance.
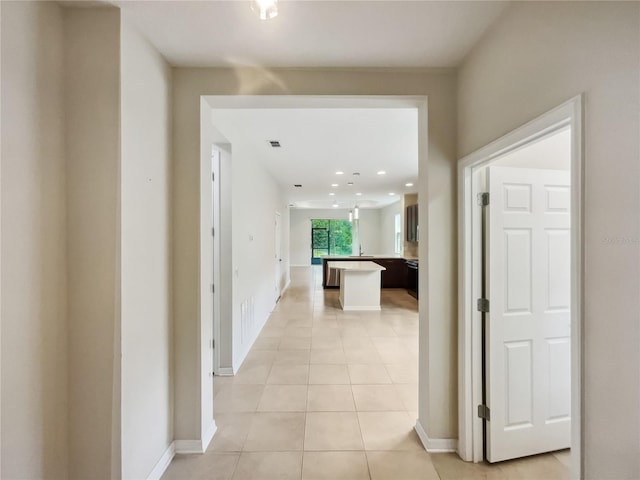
(327, 394)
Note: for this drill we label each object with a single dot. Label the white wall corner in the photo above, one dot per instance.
(435, 445)
(188, 446)
(163, 463)
(196, 446)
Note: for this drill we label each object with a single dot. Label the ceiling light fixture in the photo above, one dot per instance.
(391, 193)
(335, 205)
(408, 184)
(350, 184)
(358, 194)
(334, 184)
(266, 9)
(339, 172)
(332, 193)
(382, 172)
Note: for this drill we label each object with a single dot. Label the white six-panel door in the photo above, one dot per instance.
(528, 328)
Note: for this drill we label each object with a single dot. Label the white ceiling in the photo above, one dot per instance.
(317, 142)
(313, 33)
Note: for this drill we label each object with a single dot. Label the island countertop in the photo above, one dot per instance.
(358, 258)
(394, 274)
(362, 266)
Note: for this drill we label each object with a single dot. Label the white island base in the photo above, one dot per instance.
(359, 284)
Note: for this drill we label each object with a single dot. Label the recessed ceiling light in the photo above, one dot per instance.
(391, 193)
(334, 184)
(350, 184)
(335, 205)
(382, 172)
(339, 172)
(356, 174)
(408, 184)
(358, 193)
(332, 193)
(274, 143)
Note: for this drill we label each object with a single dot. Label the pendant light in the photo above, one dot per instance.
(266, 9)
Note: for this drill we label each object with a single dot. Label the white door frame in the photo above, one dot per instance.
(215, 217)
(278, 255)
(469, 336)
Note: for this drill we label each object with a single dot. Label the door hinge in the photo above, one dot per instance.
(483, 305)
(484, 412)
(213, 288)
(213, 177)
(213, 232)
(483, 199)
(212, 343)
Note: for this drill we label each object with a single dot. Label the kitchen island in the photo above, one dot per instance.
(359, 284)
(394, 274)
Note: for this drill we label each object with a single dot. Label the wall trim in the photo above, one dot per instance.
(163, 463)
(208, 435)
(225, 372)
(435, 445)
(188, 446)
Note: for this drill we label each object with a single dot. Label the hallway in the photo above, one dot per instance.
(327, 394)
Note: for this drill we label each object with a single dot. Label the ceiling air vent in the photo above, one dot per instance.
(274, 143)
(298, 185)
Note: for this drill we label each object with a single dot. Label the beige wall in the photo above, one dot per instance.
(147, 391)
(92, 67)
(538, 56)
(34, 287)
(438, 347)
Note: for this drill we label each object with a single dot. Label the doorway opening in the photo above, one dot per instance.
(234, 341)
(520, 207)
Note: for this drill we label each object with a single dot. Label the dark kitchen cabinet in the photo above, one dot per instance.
(412, 223)
(395, 275)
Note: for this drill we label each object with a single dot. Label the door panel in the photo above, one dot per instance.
(528, 328)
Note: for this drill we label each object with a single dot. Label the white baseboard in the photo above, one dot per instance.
(188, 446)
(182, 446)
(163, 463)
(208, 435)
(225, 372)
(196, 446)
(435, 445)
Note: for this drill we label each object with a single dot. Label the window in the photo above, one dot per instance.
(330, 237)
(398, 233)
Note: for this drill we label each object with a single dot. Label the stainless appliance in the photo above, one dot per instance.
(412, 277)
